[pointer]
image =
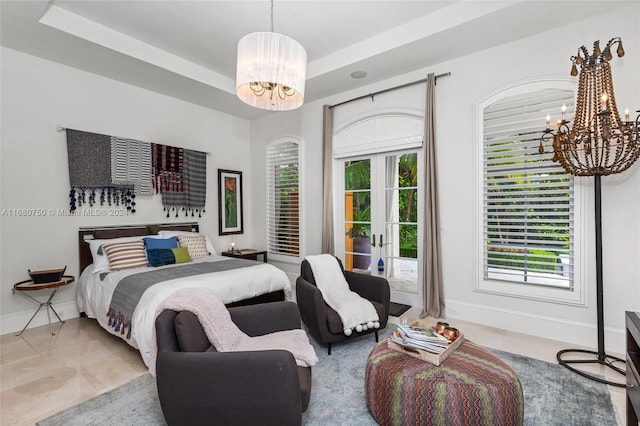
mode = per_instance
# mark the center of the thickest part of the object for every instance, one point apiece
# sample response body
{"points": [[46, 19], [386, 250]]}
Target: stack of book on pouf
{"points": [[431, 344]]}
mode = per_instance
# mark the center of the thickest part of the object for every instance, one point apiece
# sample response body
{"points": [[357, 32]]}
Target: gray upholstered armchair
{"points": [[323, 322], [199, 386]]}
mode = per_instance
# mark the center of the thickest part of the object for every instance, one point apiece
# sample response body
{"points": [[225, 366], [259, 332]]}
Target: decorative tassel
{"points": [[72, 200]]}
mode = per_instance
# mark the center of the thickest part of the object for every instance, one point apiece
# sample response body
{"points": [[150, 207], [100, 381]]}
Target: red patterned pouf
{"points": [[471, 387]]}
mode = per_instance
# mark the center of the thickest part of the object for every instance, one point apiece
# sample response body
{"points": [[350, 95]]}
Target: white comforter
{"points": [[94, 295]]}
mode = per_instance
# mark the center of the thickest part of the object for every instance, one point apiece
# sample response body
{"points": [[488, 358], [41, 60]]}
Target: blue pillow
{"points": [[161, 257], [160, 243]]}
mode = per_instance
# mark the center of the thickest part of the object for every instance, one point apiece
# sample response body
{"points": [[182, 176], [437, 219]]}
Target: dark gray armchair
{"points": [[199, 386], [323, 322]]}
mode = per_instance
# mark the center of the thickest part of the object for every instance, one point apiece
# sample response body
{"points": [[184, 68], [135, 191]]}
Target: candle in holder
{"points": [[626, 114], [604, 99], [548, 121], [564, 109]]}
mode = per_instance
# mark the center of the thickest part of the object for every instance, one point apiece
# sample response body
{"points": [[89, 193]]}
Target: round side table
{"points": [[24, 287]]}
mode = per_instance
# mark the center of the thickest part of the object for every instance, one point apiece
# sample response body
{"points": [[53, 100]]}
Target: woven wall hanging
{"points": [[113, 170]]}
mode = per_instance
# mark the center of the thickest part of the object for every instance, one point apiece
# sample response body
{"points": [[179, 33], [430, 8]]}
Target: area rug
{"points": [[397, 309], [552, 394]]}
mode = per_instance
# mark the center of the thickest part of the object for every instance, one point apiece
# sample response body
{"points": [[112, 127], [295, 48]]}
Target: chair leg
{"points": [[376, 337], [329, 349]]}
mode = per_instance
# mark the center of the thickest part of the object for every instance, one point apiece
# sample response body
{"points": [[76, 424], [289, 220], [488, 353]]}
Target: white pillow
{"points": [[101, 261], [169, 234]]}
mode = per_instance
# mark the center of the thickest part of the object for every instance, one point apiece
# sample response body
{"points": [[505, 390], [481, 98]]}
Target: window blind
{"points": [[528, 199], [283, 209]]}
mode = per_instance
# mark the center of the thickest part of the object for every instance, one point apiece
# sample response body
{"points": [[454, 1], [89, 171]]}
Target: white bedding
{"points": [[94, 295]]}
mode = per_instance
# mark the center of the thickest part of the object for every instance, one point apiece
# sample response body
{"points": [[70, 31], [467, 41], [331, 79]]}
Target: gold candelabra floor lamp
{"points": [[598, 144]]}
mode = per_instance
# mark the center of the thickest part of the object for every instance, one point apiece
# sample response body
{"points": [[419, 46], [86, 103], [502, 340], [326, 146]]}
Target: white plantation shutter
{"points": [[283, 207], [528, 199]]}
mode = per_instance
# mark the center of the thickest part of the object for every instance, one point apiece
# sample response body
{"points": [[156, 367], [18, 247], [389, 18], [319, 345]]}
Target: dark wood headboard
{"points": [[106, 232]]}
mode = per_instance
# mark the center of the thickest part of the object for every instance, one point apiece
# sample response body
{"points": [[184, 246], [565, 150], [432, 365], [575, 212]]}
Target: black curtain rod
{"points": [[371, 95]]}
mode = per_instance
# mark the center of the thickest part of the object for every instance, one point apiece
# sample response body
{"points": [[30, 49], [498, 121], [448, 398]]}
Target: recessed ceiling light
{"points": [[358, 74]]}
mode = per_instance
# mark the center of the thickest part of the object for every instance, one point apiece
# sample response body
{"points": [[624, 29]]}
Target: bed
{"points": [[253, 282]]}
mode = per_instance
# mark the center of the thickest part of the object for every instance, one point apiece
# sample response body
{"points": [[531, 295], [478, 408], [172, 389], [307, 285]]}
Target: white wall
{"points": [[473, 78], [39, 95], [303, 123]]}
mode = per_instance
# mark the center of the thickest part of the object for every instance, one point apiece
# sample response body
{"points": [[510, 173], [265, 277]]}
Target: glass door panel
{"points": [[380, 196], [401, 222], [357, 215]]}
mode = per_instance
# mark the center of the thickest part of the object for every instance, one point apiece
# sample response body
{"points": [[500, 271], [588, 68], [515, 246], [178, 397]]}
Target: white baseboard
{"points": [[570, 332], [14, 322]]}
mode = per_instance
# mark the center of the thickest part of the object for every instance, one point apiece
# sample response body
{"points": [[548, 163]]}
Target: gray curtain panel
{"points": [[433, 295], [327, 190]]}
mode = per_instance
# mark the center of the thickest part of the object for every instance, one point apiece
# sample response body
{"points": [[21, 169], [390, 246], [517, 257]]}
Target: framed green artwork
{"points": [[229, 202]]}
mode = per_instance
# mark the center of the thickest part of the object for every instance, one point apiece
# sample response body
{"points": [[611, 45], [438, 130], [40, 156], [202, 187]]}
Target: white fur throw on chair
{"points": [[355, 312]]}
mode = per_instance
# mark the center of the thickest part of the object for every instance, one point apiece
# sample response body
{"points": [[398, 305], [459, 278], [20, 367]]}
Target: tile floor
{"points": [[41, 374]]}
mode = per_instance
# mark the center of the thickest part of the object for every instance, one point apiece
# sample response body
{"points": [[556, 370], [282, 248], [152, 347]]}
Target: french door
{"points": [[378, 225]]}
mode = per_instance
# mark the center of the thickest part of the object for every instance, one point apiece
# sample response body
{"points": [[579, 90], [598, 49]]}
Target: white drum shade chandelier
{"points": [[271, 70]]}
